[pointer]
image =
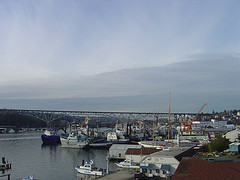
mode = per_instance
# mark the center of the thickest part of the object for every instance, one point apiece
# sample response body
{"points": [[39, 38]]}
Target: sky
{"points": [[120, 55]]}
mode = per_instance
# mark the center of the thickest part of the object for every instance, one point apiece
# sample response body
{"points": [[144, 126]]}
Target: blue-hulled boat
{"points": [[50, 137]]}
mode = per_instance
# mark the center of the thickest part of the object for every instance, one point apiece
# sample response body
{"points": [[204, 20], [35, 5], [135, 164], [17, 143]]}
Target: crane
{"points": [[187, 125], [85, 122]]}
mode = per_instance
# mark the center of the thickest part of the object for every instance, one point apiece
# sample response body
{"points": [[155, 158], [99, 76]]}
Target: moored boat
{"points": [[76, 141], [128, 163], [88, 169], [100, 143], [30, 178], [50, 137]]}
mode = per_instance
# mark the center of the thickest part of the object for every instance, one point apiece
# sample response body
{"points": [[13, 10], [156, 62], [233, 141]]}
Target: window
{"points": [[119, 155], [157, 170]]}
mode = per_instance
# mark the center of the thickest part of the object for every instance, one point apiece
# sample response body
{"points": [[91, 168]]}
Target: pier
{"points": [[121, 174], [5, 165]]}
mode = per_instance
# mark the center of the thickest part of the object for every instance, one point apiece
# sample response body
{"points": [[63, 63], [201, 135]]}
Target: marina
{"points": [[119, 90], [29, 156], [147, 148]]}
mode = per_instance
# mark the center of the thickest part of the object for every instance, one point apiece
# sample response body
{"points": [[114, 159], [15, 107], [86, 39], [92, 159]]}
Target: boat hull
{"points": [[73, 144], [89, 172], [127, 166], [50, 139]]}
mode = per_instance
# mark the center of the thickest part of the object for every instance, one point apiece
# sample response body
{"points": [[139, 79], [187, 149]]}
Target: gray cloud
{"points": [[191, 83]]}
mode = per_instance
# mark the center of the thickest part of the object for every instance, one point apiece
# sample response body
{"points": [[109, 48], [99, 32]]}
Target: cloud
{"points": [[190, 83], [92, 49], [46, 38]]}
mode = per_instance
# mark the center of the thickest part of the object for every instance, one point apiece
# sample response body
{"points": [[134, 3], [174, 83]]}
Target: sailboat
{"points": [[157, 144], [153, 143]]}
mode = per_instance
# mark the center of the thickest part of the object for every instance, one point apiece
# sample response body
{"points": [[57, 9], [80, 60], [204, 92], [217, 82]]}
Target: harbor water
{"points": [[29, 157]]}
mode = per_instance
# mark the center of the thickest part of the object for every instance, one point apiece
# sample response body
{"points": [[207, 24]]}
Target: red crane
{"points": [[187, 125]]}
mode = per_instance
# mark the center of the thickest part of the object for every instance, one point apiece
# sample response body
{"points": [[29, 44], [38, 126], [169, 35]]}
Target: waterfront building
{"points": [[137, 155], [194, 135], [164, 163], [117, 151], [158, 162]]}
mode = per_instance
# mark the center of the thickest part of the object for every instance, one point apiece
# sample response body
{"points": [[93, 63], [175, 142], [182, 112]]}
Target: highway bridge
{"points": [[52, 115]]}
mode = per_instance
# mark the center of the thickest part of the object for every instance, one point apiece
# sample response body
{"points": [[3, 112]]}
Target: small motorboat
{"points": [[127, 164], [88, 169], [29, 178]]}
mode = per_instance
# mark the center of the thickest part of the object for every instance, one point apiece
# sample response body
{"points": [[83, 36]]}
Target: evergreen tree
{"points": [[219, 144]]}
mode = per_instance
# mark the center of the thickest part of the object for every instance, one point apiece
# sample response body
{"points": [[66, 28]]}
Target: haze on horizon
{"points": [[120, 55]]}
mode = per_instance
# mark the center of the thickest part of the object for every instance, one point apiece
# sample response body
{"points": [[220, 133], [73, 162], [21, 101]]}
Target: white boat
{"points": [[30, 178], [11, 131], [153, 144], [88, 169], [128, 163], [74, 141]]}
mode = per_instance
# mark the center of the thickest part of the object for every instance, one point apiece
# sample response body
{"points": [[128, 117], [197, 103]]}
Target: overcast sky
{"points": [[120, 55]]}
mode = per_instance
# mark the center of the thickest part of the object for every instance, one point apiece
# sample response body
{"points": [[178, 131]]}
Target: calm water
{"points": [[28, 156]]}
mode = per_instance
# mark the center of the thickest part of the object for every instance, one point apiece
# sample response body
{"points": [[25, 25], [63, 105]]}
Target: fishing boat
{"points": [[50, 137], [73, 140], [118, 138], [88, 169], [128, 163], [99, 143]]}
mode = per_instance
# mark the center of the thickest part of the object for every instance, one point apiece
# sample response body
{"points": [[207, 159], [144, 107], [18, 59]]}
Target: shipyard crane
{"points": [[85, 122], [188, 125]]}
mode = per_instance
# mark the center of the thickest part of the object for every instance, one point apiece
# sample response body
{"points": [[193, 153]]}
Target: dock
{"points": [[5, 165], [121, 174]]}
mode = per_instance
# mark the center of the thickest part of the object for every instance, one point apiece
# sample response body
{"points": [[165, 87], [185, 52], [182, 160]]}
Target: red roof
{"points": [[196, 168], [143, 151]]}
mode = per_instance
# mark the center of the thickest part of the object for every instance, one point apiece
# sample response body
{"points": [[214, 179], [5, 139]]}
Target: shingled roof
{"points": [[143, 151], [196, 168]]}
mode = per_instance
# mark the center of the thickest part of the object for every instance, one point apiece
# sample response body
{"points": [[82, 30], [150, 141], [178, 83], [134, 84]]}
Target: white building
{"points": [[117, 151], [164, 163], [233, 135], [157, 162], [200, 125], [137, 155]]}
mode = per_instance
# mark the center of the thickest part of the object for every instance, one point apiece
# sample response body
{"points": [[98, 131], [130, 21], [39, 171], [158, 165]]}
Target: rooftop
{"points": [[124, 146], [196, 168], [143, 151], [172, 151]]}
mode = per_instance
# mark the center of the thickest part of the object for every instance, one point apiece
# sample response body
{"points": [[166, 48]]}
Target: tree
{"points": [[219, 144]]}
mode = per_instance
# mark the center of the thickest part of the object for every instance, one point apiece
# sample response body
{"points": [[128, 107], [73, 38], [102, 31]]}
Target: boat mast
{"points": [[169, 118], [153, 124]]}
